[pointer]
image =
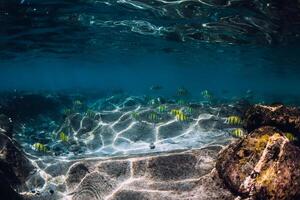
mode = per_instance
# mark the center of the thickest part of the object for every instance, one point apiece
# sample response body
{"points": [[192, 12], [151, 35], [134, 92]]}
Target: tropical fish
{"points": [[182, 91], [152, 146], [181, 117], [156, 87], [153, 117], [77, 102], [67, 112], [135, 115], [206, 94], [189, 110], [291, 137], [175, 111], [63, 137], [90, 113], [181, 102], [162, 108], [239, 133], [234, 120], [154, 102], [40, 147]]}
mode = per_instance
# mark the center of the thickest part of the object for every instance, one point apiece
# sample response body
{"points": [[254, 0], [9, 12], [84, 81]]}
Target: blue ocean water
{"points": [[226, 47]]}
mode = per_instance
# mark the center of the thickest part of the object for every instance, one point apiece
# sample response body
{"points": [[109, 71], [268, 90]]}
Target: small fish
{"points": [[63, 137], [153, 102], [291, 137], [206, 94], [152, 146], [77, 102], [181, 102], [67, 112], [40, 147], [175, 111], [181, 117], [162, 108], [182, 91], [135, 115], [239, 133], [90, 113], [189, 110], [234, 120], [156, 87], [153, 117]]}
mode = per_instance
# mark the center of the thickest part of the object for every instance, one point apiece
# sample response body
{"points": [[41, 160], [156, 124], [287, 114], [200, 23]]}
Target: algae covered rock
{"points": [[264, 165], [286, 119]]}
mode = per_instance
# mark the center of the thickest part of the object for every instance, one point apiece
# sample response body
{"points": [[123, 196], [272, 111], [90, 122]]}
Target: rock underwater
{"points": [[15, 168], [265, 164], [287, 119]]}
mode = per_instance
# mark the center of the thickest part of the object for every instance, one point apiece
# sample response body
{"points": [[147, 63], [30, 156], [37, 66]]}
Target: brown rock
{"points": [[287, 119], [264, 165]]}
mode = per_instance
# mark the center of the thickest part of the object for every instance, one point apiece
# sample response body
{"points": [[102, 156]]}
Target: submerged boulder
{"points": [[264, 165], [14, 166], [287, 119]]}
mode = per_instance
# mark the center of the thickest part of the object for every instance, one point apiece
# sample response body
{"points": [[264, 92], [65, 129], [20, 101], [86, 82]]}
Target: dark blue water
{"points": [[227, 47]]}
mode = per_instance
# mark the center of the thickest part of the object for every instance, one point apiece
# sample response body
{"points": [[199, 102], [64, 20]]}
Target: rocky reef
{"points": [[263, 164]]}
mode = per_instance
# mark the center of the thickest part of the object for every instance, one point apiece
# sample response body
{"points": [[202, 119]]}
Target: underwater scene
{"points": [[150, 99]]}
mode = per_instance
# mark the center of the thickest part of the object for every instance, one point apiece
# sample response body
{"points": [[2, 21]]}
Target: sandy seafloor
{"points": [[118, 127]]}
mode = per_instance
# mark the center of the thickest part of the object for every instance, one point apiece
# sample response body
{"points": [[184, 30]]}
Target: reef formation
{"points": [[264, 164]]}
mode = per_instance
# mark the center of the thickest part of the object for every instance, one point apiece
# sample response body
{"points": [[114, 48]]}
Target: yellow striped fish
{"points": [[153, 117], [181, 117], [135, 115], [206, 94], [182, 91], [67, 112], [162, 108], [181, 102], [189, 110], [90, 113], [63, 137], [234, 120], [239, 133], [175, 111], [77, 102], [40, 147], [291, 137]]}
